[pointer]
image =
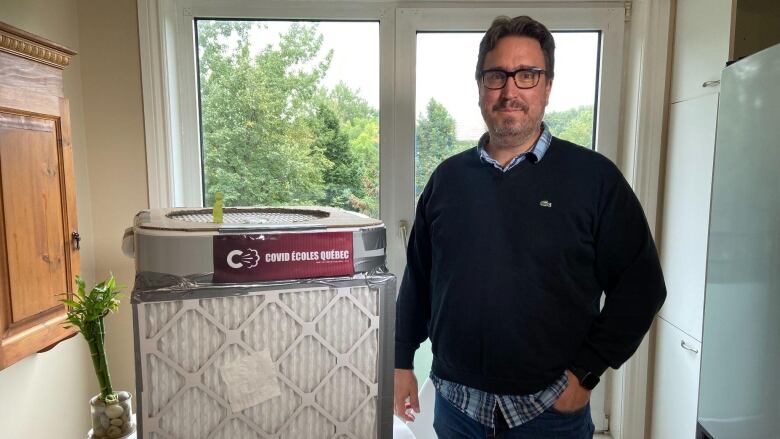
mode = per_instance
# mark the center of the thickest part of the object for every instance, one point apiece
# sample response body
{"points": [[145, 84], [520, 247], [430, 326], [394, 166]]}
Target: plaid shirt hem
{"points": [[517, 409]]}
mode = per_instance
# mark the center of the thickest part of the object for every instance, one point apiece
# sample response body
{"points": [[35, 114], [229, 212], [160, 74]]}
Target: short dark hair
{"points": [[523, 26]]}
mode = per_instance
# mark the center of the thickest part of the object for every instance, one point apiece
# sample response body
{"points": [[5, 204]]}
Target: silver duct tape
{"points": [[156, 287]]}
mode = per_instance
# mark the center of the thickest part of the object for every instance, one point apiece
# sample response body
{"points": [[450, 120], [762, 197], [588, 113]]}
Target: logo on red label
{"points": [[246, 258]]}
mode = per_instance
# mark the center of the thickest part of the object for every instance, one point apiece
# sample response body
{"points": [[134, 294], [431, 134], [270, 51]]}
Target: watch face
{"points": [[589, 381]]}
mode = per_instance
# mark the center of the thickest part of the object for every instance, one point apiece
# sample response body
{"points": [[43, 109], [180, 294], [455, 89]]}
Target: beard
{"points": [[513, 127]]}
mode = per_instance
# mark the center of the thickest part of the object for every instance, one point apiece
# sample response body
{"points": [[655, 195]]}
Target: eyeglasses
{"points": [[526, 77]]}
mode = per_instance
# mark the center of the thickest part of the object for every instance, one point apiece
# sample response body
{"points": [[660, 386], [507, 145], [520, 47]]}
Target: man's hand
{"points": [[574, 397], [405, 394]]}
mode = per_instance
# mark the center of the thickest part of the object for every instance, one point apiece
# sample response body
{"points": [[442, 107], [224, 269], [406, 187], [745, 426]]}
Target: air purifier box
{"points": [[305, 288]]}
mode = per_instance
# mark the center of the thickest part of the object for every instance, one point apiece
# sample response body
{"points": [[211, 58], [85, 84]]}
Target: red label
{"points": [[276, 256]]}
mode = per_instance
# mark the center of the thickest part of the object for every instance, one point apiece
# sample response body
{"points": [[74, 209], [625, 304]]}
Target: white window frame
{"points": [[168, 68]]}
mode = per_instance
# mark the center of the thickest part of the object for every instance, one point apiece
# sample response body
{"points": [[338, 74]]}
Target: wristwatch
{"points": [[588, 380]]}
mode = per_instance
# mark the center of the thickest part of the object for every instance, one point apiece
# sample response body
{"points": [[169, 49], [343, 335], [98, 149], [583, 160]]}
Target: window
{"points": [[289, 113]]}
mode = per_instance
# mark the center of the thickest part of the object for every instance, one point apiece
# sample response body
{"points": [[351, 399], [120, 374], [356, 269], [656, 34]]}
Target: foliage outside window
{"points": [[273, 134]]}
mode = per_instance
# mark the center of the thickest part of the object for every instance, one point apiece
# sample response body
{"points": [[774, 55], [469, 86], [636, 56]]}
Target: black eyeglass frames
{"points": [[527, 77]]}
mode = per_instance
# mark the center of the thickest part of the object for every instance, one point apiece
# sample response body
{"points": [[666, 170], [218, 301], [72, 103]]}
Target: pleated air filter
{"points": [[329, 339]]}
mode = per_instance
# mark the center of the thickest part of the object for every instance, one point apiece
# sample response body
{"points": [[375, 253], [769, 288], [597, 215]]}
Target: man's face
{"points": [[513, 115]]}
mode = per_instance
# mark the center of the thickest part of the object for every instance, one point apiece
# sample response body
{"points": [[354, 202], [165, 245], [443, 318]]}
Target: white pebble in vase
{"points": [[114, 411]]}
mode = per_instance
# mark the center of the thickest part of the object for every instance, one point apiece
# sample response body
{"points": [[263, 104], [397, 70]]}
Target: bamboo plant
{"points": [[86, 312]]}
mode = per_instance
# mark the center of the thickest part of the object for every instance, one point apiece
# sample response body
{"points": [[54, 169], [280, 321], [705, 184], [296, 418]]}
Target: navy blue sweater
{"points": [[505, 271]]}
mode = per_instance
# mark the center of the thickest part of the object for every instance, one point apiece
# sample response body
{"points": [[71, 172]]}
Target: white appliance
{"points": [[208, 295], [741, 332]]}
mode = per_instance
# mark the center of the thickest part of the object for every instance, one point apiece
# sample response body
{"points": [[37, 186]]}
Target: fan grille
{"points": [[257, 216]]}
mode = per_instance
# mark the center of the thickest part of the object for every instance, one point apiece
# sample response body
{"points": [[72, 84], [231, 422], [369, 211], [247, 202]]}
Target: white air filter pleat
{"points": [[230, 312], [194, 415], [272, 414], [309, 424], [271, 329], [343, 325], [235, 429], [158, 314], [363, 424], [299, 367], [366, 297], [193, 330], [363, 358], [308, 304], [165, 381], [342, 394]]}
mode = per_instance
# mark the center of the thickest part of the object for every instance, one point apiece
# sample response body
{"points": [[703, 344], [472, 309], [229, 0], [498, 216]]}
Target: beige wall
{"points": [[46, 395], [113, 116], [38, 394]]}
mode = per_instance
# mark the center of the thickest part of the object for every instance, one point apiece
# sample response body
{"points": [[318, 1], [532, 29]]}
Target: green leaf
{"points": [[70, 303]]}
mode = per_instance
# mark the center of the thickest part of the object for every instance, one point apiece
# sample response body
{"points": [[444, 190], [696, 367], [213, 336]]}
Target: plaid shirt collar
{"points": [[537, 151]]}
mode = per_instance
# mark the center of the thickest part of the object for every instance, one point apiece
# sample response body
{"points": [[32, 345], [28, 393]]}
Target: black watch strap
{"points": [[587, 379]]}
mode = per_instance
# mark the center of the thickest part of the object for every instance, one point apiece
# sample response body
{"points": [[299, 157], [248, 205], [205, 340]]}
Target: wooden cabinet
{"points": [[685, 222], [677, 367], [38, 248]]}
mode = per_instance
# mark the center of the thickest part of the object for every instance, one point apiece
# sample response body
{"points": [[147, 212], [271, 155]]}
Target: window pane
{"points": [[448, 117], [289, 113]]}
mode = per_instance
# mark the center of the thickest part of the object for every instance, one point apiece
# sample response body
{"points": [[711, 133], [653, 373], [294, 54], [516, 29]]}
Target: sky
{"points": [[445, 64]]}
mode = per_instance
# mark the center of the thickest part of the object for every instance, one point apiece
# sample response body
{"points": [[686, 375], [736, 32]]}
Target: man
{"points": [[513, 243]]}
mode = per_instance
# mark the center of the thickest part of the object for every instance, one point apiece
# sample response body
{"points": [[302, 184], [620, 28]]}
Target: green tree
{"points": [[360, 122], [342, 177], [258, 145], [434, 141], [574, 125]]}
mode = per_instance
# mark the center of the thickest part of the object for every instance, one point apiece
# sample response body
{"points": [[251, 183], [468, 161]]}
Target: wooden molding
{"points": [[18, 42]]}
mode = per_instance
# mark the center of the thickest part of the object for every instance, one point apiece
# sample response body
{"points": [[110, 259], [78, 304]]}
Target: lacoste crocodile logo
{"points": [[545, 203]]}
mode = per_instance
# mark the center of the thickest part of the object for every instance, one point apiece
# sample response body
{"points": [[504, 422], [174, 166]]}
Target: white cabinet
{"points": [[676, 383], [686, 204], [701, 46], [707, 33]]}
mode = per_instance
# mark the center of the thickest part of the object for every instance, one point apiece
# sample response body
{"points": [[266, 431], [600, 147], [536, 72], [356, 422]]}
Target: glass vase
{"points": [[112, 421]]}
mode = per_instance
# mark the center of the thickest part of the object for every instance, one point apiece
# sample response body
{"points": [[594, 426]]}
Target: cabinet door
{"points": [[37, 216], [676, 383], [701, 46], [686, 210]]}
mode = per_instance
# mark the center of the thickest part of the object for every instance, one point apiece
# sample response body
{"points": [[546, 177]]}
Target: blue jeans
{"points": [[451, 423]]}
